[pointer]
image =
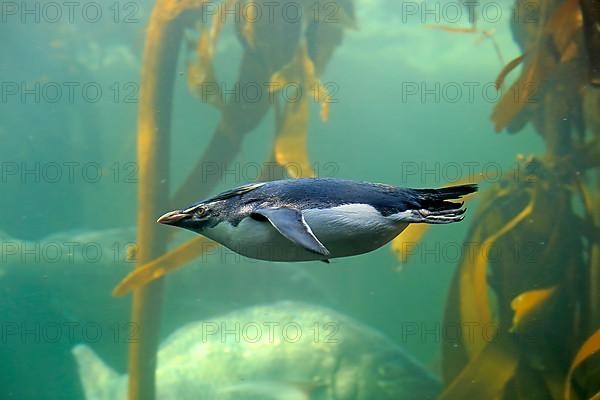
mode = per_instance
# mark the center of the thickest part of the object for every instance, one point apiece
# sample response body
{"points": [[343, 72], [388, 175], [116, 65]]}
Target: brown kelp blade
{"points": [[591, 20], [590, 347], [473, 281], [527, 303], [487, 373], [561, 29], [468, 300], [290, 148], [519, 95], [164, 264], [564, 24]]}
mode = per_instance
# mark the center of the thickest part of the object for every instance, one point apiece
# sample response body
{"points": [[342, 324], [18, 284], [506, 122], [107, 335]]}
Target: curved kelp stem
{"points": [[161, 266], [154, 117]]}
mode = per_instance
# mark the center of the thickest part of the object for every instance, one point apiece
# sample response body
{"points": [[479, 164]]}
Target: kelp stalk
{"points": [[154, 118]]}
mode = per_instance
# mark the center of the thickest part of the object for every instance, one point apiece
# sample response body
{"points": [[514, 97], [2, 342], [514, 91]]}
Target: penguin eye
{"points": [[200, 211]]}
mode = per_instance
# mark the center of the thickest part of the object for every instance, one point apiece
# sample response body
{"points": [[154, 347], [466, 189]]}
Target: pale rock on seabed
{"points": [[282, 351]]}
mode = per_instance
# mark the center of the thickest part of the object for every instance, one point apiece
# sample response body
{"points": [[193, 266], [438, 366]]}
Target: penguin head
{"points": [[230, 206], [195, 218]]}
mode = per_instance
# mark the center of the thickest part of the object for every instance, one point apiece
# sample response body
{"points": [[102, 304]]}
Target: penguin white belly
{"points": [[345, 230], [259, 240], [352, 229]]}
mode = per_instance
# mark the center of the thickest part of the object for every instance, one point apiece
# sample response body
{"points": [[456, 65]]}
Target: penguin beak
{"points": [[172, 217]]}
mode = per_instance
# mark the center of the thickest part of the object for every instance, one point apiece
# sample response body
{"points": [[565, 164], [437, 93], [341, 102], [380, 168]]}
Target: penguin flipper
{"points": [[291, 224]]}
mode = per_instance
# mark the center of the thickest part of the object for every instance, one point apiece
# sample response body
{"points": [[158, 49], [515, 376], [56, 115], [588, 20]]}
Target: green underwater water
{"points": [[375, 133]]}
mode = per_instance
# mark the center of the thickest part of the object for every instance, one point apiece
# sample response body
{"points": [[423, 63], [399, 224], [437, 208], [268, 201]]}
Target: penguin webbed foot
{"points": [[442, 216]]}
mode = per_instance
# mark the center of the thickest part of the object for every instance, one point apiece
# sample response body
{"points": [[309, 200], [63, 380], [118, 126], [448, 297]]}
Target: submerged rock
{"points": [[287, 350]]}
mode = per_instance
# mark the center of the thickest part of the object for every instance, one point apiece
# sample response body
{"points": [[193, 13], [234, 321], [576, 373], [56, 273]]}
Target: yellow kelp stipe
{"points": [[314, 86], [474, 302], [291, 141], [507, 69], [291, 147], [164, 264]]}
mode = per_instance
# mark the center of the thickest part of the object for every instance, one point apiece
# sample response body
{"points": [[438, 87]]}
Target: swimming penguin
{"points": [[315, 218]]}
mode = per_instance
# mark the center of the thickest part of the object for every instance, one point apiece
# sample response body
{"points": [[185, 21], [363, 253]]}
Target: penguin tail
{"points": [[434, 206]]}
